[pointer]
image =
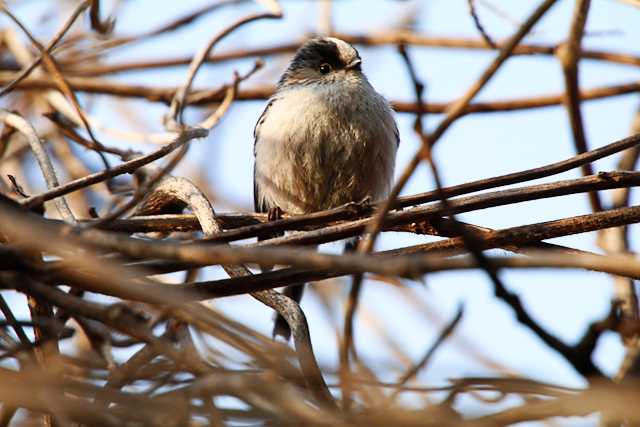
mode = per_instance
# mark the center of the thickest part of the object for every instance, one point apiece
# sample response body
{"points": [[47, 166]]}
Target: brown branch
{"points": [[173, 118], [476, 21], [42, 157], [67, 129], [206, 97], [254, 225], [444, 334], [201, 254], [602, 181], [444, 229], [179, 189], [581, 361], [172, 26], [615, 403], [146, 186], [117, 316], [453, 113], [52, 44], [12, 321], [58, 78], [102, 27], [126, 167], [409, 38], [432, 212], [525, 236], [568, 55], [95, 70], [456, 109], [30, 229], [386, 38], [616, 240]]}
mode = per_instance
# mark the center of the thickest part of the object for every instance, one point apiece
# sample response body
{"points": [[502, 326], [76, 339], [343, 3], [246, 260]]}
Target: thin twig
{"points": [[102, 27], [444, 334], [206, 97], [52, 44], [173, 118], [476, 21], [126, 167], [42, 157], [568, 55]]}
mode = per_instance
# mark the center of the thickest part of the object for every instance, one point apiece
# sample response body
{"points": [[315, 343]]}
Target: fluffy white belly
{"points": [[318, 149]]}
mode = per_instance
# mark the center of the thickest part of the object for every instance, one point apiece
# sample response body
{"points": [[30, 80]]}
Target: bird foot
{"points": [[274, 214]]}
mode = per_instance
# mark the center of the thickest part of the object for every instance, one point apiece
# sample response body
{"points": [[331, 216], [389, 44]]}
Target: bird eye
{"points": [[325, 68]]}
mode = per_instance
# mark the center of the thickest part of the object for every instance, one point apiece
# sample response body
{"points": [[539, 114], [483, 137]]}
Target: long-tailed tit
{"points": [[325, 138]]}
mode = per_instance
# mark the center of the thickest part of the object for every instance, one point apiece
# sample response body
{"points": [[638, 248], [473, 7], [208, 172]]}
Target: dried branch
{"points": [[454, 112], [42, 157], [479, 26], [568, 55], [255, 225], [58, 78], [173, 119], [102, 27], [172, 189], [205, 97], [126, 167], [52, 44], [524, 237], [411, 373], [394, 38]]}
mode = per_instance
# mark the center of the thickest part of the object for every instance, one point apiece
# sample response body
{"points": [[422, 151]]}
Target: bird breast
{"points": [[321, 146]]}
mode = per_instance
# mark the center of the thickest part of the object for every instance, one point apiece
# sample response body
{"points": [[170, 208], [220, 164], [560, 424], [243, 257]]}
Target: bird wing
{"points": [[396, 132], [257, 205]]}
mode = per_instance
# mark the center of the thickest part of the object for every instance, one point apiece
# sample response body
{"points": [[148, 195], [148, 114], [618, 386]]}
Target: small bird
{"points": [[325, 138]]}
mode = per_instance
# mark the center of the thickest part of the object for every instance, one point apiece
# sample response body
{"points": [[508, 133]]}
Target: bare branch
{"points": [[42, 157]]}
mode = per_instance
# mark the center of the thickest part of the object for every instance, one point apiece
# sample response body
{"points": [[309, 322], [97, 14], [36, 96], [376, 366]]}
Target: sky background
{"points": [[476, 146]]}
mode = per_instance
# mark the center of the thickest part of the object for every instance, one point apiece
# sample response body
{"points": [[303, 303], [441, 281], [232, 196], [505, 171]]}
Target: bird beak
{"points": [[354, 65]]}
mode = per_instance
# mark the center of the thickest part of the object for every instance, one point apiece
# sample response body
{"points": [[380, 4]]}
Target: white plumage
{"points": [[326, 138], [319, 146]]}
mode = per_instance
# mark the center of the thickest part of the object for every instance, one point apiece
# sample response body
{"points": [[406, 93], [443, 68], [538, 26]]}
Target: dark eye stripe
{"points": [[312, 56], [315, 53]]}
